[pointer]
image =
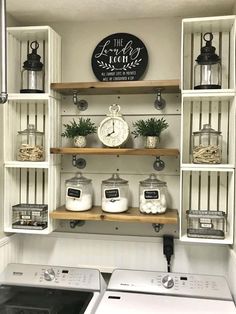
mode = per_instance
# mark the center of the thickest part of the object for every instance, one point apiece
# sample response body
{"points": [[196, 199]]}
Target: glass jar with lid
{"points": [[115, 194], [152, 195], [30, 144], [207, 146], [78, 193]]}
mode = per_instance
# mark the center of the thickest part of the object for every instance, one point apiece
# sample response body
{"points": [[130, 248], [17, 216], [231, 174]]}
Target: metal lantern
{"points": [[32, 75], [207, 71]]}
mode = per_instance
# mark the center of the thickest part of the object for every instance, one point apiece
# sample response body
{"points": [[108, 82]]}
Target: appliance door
{"points": [[30, 300], [138, 303]]}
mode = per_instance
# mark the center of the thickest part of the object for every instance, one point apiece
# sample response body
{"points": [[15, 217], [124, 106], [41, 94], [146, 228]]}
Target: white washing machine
{"points": [[146, 292], [31, 289]]}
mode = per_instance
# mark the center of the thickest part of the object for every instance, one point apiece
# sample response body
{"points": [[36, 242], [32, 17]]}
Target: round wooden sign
{"points": [[120, 57]]}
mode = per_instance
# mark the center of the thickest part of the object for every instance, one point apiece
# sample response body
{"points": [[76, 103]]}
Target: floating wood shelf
{"points": [[109, 88], [115, 151], [132, 215]]}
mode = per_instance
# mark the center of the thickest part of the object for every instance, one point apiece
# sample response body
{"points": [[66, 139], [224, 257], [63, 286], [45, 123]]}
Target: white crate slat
{"points": [[204, 191], [225, 46], [213, 194]]}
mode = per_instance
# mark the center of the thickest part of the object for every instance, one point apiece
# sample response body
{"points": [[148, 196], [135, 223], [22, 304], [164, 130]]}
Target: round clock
{"points": [[113, 131]]}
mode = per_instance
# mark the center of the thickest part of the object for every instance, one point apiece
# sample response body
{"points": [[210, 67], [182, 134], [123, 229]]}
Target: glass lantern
{"points": [[207, 146], [30, 144], [207, 70], [32, 75]]}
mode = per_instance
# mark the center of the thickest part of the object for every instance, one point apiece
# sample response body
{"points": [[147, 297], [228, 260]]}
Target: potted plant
{"points": [[79, 130], [150, 129]]}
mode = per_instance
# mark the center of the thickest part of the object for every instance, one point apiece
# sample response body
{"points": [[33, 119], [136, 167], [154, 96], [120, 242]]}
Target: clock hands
{"points": [[113, 129]]}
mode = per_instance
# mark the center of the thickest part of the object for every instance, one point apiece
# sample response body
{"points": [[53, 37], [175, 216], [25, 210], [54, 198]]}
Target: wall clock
{"points": [[113, 131]]}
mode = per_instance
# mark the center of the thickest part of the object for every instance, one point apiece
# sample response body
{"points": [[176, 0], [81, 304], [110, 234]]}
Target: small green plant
{"points": [[82, 128], [149, 127]]}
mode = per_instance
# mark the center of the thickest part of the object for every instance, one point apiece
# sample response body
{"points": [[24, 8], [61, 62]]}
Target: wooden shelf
{"points": [[109, 88], [132, 215], [115, 151]]}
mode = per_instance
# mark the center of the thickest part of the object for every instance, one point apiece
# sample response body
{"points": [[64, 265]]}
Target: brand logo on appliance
{"points": [[119, 57]]}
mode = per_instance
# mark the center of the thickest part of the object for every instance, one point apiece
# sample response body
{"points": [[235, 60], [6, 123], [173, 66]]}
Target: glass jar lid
{"points": [[153, 181], [78, 179], [115, 180], [207, 130], [31, 130]]}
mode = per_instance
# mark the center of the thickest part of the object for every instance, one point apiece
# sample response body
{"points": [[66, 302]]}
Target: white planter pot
{"points": [[151, 141], [80, 141]]}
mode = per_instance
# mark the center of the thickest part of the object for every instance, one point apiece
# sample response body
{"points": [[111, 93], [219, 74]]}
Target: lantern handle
{"points": [[210, 37], [34, 43]]}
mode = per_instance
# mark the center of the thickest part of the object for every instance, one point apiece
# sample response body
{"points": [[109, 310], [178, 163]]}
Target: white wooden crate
{"points": [[218, 110], [223, 29], [18, 41], [207, 190]]}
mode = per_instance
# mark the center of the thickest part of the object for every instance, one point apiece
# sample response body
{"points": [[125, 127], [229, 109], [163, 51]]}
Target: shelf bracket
{"points": [[81, 104], [78, 162], [159, 103], [158, 164], [75, 223], [157, 227]]}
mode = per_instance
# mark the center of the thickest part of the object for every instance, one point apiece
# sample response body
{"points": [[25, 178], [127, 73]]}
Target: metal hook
{"points": [[157, 227], [78, 162], [74, 223], [159, 103], [81, 104], [158, 164]]}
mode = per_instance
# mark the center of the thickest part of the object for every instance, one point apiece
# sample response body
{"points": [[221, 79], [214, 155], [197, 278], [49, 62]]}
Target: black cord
{"points": [[168, 249]]}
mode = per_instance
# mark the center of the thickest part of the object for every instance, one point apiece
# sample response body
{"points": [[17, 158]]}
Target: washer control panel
{"points": [[201, 286], [51, 276]]}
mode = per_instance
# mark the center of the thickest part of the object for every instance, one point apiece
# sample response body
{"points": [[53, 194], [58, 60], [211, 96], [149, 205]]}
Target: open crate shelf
{"points": [[208, 190], [223, 29], [218, 111]]}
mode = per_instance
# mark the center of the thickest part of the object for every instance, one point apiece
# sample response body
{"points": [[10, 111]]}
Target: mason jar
{"points": [[152, 195], [115, 194], [79, 193], [30, 145], [207, 146]]}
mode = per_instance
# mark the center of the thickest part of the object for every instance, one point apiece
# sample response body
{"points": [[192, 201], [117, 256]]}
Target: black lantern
{"points": [[32, 75], [207, 71]]}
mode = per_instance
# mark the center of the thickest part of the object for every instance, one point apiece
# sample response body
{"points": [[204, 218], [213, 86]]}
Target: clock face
{"points": [[113, 131]]}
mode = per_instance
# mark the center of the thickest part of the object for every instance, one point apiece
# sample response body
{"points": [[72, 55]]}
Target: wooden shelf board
{"points": [[132, 215], [109, 88], [115, 151]]}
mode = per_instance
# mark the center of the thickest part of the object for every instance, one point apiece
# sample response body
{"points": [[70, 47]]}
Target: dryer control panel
{"points": [[201, 286]]}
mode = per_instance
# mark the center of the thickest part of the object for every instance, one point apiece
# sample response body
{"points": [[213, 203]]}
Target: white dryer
{"points": [[146, 292], [43, 289]]}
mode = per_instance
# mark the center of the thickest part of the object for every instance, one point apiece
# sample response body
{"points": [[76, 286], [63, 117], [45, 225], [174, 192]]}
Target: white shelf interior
{"points": [[223, 29], [19, 40], [219, 112], [208, 190]]}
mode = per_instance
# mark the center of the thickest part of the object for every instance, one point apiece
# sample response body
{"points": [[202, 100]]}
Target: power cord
{"points": [[168, 249]]}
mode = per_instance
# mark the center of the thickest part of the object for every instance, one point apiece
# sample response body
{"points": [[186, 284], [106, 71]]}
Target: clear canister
{"points": [[79, 193], [115, 194], [152, 195], [207, 146], [30, 144]]}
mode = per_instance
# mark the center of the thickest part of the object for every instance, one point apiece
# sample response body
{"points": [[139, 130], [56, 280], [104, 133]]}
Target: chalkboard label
{"points": [[120, 57], [151, 194], [75, 193], [112, 193]]}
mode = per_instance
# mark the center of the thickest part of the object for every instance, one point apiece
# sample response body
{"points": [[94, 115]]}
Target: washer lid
{"points": [[133, 303]]}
